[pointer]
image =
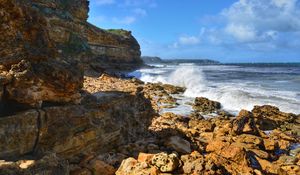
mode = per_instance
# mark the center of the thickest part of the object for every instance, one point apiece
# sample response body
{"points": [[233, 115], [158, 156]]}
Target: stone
{"points": [[205, 105], [245, 123], [267, 166], [269, 117], [131, 166], [18, 134], [179, 144], [144, 157], [99, 167], [193, 163], [166, 163], [48, 165]]}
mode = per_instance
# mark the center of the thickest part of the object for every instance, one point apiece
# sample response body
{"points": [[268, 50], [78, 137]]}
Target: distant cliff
{"points": [[158, 60], [151, 60]]}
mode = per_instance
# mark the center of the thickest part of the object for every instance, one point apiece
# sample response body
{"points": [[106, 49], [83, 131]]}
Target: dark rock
{"points": [[205, 105]]}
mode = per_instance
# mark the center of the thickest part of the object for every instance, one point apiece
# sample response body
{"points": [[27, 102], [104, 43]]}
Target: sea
{"points": [[235, 86]]}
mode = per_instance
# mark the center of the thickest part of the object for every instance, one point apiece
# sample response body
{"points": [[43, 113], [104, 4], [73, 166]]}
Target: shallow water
{"points": [[238, 86]]}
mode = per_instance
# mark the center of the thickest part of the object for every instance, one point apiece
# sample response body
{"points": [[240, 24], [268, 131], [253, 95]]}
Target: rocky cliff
{"points": [[59, 29], [45, 45]]}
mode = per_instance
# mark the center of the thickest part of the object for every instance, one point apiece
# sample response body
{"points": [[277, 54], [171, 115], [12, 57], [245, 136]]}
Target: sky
{"points": [[223, 30]]}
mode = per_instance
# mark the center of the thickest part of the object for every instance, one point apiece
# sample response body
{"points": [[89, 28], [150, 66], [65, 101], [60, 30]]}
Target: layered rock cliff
{"points": [[45, 46]]}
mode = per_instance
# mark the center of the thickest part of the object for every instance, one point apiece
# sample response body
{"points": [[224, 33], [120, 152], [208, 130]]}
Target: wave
{"points": [[233, 96]]}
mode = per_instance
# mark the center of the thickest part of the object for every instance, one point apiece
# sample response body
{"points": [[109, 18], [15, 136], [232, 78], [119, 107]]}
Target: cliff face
{"points": [[76, 39], [44, 45]]}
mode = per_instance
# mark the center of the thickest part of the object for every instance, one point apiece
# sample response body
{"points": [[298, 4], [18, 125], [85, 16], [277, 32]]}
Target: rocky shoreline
{"points": [[60, 114], [261, 141]]}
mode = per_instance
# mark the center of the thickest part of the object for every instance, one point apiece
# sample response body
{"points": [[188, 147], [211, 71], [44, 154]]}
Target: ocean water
{"points": [[235, 86]]}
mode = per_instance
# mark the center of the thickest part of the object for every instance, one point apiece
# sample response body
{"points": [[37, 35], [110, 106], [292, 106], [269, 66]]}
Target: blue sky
{"points": [[224, 30]]}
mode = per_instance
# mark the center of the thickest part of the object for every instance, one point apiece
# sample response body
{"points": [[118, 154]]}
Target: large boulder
{"points": [[270, 117], [69, 130], [204, 105]]}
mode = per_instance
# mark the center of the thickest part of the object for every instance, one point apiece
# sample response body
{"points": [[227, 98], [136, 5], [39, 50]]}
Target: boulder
{"points": [[179, 144], [193, 163], [245, 123], [204, 105], [48, 165], [270, 117], [165, 162]]}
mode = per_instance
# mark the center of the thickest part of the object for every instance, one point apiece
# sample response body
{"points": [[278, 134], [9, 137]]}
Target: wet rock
{"points": [[179, 144], [205, 105]]}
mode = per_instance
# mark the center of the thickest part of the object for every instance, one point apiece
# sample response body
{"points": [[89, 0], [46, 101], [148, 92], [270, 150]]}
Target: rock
{"points": [[70, 130], [234, 159], [245, 123], [28, 55], [205, 105], [267, 166], [290, 169], [179, 144], [131, 166], [50, 81], [269, 117], [18, 134], [99, 168], [193, 163], [47, 165], [270, 145], [165, 163], [143, 157]]}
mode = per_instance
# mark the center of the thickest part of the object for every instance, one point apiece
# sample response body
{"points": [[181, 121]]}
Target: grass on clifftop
{"points": [[119, 32]]}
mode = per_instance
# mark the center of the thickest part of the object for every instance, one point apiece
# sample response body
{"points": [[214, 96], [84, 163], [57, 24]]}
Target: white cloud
{"points": [[242, 33], [257, 25], [140, 12], [185, 41], [126, 20], [252, 19], [188, 40], [105, 2], [138, 3]]}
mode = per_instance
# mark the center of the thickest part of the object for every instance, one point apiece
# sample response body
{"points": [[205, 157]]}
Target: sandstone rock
{"points": [[179, 144], [290, 169], [269, 117], [47, 165], [267, 166], [193, 163], [99, 168], [18, 134], [165, 163], [143, 157], [70, 130], [234, 159], [245, 123], [131, 166], [205, 105]]}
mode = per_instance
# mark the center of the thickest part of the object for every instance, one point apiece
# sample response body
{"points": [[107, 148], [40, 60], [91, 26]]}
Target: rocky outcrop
{"points": [[76, 39], [204, 105], [97, 126], [46, 45]]}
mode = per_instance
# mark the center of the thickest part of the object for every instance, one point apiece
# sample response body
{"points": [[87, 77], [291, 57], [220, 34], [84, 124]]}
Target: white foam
{"points": [[233, 95]]}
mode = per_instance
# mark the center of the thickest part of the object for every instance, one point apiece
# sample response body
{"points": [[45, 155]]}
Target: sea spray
{"points": [[235, 87]]}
